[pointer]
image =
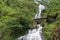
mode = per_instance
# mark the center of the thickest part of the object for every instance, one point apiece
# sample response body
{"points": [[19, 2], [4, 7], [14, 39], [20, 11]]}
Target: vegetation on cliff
{"points": [[16, 15]]}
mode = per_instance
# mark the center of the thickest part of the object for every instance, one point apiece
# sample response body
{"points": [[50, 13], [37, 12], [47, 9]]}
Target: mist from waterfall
{"points": [[35, 34]]}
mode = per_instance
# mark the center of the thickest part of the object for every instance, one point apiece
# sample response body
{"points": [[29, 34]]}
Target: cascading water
{"points": [[41, 8], [35, 34]]}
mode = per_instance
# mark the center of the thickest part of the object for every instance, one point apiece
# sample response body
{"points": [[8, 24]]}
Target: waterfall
{"points": [[40, 9], [35, 34]]}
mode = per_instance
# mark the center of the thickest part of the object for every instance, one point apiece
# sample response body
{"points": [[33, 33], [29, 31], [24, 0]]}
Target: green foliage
{"points": [[52, 9], [15, 17], [49, 31]]}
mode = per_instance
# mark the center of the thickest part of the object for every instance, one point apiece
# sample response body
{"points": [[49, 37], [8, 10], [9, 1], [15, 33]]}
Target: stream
{"points": [[35, 34]]}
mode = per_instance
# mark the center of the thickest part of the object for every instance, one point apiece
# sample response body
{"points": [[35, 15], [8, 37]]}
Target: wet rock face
{"points": [[38, 21], [33, 26], [51, 18]]}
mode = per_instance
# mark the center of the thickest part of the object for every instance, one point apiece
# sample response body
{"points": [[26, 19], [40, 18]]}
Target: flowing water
{"points": [[35, 34]]}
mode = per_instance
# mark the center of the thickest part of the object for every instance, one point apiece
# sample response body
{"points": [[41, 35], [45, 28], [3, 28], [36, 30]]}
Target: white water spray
{"points": [[35, 34], [40, 9]]}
